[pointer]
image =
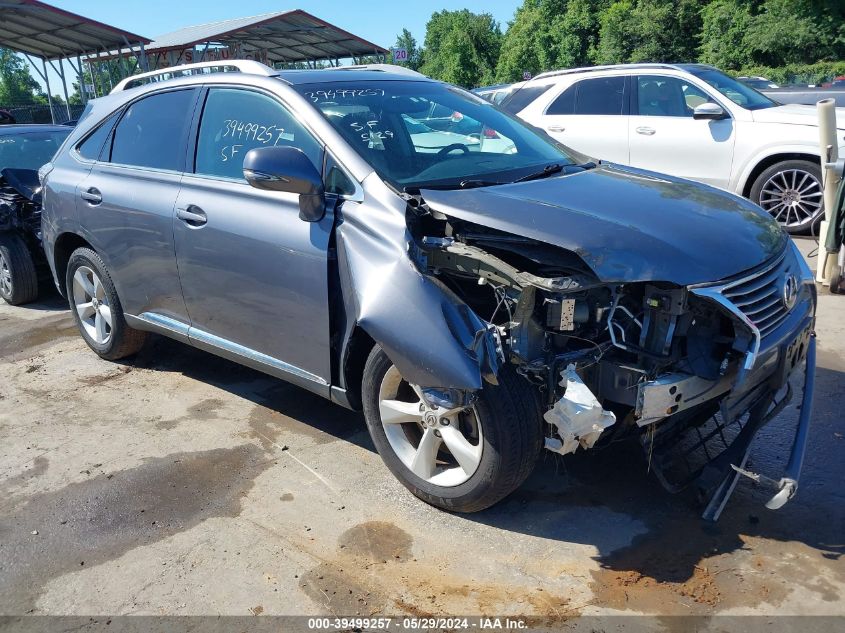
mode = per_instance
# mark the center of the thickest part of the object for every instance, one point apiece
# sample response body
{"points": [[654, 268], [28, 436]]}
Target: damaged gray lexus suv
{"points": [[401, 246]]}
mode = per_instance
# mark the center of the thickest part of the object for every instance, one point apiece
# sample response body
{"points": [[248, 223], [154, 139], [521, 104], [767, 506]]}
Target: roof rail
{"points": [[384, 68], [588, 69], [185, 70]]}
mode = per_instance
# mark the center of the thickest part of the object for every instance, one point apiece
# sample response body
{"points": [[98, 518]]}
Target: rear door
{"points": [[126, 202], [591, 116], [254, 275], [666, 138]]}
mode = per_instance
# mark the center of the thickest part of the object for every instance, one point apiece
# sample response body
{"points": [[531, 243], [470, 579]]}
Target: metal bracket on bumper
{"points": [[786, 486]]}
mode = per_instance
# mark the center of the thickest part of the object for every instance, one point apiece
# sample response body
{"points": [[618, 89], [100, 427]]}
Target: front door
{"points": [[664, 137], [254, 276]]}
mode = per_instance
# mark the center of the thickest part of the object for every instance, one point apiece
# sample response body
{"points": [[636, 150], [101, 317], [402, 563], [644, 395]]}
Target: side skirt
{"points": [[175, 329]]}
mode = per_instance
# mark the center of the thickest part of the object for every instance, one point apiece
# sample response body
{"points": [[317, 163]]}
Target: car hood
{"points": [[795, 114], [626, 224]]}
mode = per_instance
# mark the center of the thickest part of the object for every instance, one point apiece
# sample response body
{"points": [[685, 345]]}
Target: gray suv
{"points": [[401, 246]]}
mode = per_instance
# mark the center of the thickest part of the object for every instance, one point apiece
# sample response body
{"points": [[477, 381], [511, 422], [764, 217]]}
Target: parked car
{"points": [[477, 305], [494, 94], [7, 118], [23, 149], [687, 120], [758, 83]]}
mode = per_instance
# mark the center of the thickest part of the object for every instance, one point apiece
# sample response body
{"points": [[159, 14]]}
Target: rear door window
{"points": [[234, 121], [602, 96], [565, 103], [153, 131]]}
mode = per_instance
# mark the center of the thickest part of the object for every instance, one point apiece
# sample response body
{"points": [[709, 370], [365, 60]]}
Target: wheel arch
{"points": [[63, 248], [357, 348], [772, 159]]}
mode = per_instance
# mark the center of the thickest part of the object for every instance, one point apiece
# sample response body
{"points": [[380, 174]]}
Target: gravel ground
{"points": [[179, 483]]}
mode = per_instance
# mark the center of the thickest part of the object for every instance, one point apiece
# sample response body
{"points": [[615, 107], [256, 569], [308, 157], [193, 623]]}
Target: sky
{"points": [[378, 21]]}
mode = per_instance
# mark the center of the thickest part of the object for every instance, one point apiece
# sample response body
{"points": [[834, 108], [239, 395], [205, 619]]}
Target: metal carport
{"points": [[39, 30], [281, 37]]}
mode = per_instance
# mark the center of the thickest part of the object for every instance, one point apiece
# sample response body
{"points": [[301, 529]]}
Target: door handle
{"points": [[192, 215], [556, 128], [648, 131], [92, 196]]}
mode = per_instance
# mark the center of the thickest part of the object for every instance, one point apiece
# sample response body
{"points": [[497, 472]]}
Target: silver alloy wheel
{"points": [[92, 305], [440, 446], [5, 276], [792, 196]]}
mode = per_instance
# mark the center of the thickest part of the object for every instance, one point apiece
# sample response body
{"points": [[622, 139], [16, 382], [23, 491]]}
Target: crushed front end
{"points": [[692, 372]]}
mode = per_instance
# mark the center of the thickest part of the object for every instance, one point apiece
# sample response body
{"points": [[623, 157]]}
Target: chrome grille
{"points": [[760, 296]]}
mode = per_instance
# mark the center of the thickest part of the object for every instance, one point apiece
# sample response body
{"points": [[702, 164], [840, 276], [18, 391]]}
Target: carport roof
{"points": [[287, 36], [39, 29]]}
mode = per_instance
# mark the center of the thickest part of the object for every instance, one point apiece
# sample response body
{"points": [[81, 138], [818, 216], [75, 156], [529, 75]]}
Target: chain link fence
{"points": [[41, 113]]}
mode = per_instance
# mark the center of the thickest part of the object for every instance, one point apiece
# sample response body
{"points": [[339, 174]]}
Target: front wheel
{"points": [[792, 193], [463, 460]]}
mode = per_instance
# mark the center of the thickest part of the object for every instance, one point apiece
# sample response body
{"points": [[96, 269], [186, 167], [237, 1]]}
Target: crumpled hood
{"points": [[795, 114], [627, 224]]}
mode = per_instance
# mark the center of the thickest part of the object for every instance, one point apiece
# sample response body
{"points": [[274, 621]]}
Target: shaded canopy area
{"points": [[41, 31], [278, 37], [44, 31]]}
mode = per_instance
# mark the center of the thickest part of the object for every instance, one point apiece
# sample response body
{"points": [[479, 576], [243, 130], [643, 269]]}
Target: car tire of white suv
{"points": [[498, 437], [791, 191]]}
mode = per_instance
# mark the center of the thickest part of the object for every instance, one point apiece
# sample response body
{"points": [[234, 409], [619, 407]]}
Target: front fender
{"points": [[433, 338]]}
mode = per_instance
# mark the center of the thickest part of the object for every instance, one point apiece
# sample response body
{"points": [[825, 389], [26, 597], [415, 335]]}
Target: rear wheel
{"points": [[463, 460], [792, 193], [18, 278], [96, 307]]}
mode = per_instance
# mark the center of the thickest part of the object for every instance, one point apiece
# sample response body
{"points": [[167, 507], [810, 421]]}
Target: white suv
{"points": [[687, 120]]}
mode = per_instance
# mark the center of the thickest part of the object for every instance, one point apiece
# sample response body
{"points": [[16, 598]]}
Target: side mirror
{"points": [[708, 111], [287, 169]]}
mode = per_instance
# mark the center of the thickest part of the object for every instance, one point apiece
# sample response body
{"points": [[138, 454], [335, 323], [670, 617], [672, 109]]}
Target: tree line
{"points": [[802, 40]]}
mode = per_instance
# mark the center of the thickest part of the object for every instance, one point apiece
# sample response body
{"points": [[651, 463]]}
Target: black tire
{"points": [[813, 169], [512, 426], [123, 341], [21, 284]]}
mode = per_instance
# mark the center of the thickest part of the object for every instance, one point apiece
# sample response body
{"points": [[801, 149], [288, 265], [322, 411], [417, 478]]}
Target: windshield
{"points": [[734, 90], [425, 134], [29, 150]]}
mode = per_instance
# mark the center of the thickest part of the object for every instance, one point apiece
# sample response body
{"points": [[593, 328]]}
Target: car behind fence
{"points": [[41, 113]]}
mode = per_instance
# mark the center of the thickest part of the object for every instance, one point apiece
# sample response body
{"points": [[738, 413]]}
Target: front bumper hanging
{"points": [[786, 487]]}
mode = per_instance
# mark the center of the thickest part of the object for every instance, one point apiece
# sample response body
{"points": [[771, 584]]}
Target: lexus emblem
{"points": [[790, 291]]}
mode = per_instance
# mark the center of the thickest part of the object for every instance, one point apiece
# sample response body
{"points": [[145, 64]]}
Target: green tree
{"points": [[649, 31], [788, 31], [724, 24], [549, 34], [462, 47], [523, 48], [17, 86], [578, 32], [408, 42]]}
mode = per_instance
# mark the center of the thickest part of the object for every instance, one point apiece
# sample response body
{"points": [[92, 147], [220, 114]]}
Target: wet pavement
{"points": [[180, 483]]}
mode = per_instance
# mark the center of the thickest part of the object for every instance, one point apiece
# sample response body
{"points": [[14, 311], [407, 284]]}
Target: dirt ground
{"points": [[180, 483]]}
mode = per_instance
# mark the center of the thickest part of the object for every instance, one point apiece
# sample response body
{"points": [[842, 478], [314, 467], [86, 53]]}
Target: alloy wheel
{"points": [[5, 276], [792, 197], [92, 305], [441, 446]]}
